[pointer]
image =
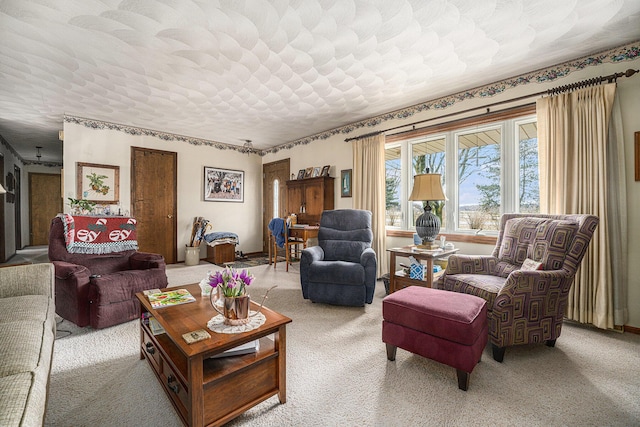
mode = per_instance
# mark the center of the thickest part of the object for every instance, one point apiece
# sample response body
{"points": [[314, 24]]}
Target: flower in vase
{"points": [[231, 282]]}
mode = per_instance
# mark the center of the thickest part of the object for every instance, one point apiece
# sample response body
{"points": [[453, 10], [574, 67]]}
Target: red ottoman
{"points": [[447, 327]]}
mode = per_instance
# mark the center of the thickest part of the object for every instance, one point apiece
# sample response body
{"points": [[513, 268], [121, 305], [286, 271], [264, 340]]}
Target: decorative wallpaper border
{"points": [[166, 136], [626, 52]]}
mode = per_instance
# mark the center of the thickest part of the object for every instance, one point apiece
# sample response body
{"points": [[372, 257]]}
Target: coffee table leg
{"points": [[196, 414], [281, 348]]}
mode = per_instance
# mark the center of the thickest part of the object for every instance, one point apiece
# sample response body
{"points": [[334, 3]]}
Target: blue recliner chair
{"points": [[342, 269]]}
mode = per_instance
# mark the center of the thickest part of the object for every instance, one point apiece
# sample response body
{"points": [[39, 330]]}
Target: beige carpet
{"points": [[338, 374]]}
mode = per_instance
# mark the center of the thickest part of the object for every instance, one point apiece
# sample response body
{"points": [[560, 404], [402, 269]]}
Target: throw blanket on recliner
{"points": [[99, 235]]}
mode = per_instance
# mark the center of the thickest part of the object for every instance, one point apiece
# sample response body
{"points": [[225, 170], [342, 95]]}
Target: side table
{"points": [[397, 278]]}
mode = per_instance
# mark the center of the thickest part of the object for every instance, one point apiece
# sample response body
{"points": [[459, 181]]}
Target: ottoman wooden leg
{"points": [[391, 352], [463, 380]]}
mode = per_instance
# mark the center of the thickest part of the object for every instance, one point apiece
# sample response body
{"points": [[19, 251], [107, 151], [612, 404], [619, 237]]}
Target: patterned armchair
{"points": [[526, 303]]}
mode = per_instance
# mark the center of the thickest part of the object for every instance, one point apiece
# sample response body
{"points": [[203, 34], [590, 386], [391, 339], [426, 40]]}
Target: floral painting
{"points": [[98, 183]]}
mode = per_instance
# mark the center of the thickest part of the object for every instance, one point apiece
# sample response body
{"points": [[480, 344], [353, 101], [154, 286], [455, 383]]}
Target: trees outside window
{"points": [[486, 171]]}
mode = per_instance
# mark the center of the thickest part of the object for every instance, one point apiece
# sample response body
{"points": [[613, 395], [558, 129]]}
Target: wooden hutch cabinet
{"points": [[307, 198]]}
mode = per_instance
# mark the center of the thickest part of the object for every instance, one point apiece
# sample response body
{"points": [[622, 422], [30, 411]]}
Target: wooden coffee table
{"points": [[208, 391]]}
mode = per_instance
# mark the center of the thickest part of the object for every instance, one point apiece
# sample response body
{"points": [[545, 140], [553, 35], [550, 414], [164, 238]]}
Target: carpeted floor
{"points": [[338, 374]]}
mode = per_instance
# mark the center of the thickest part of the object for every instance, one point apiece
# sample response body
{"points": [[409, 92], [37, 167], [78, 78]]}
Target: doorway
{"points": [[274, 195], [18, 206], [3, 240], [154, 176], [45, 202]]}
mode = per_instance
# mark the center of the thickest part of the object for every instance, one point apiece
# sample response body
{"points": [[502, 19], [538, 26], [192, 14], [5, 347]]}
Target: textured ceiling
{"points": [[271, 71]]}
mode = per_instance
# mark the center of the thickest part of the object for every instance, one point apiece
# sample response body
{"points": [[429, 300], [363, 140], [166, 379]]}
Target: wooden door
{"points": [[17, 206], [45, 202], [275, 173], [154, 200], [3, 239]]}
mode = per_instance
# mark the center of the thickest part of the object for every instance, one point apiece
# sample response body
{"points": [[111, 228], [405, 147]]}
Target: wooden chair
{"points": [[289, 244]]}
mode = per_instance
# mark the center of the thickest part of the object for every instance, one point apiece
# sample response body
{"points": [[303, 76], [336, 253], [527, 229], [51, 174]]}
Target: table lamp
{"points": [[427, 187]]}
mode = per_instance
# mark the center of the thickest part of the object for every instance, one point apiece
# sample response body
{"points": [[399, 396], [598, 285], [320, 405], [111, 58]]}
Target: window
{"points": [[276, 198], [427, 156], [487, 168]]}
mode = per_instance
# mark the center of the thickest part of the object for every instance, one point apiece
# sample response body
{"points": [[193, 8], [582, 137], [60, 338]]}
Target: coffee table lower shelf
{"points": [[229, 385]]}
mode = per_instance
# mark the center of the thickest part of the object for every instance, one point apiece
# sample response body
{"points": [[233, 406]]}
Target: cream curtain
{"points": [[368, 190], [581, 158]]}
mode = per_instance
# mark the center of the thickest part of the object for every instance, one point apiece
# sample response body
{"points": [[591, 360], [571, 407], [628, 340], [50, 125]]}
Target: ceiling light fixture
{"points": [[38, 155], [247, 147]]}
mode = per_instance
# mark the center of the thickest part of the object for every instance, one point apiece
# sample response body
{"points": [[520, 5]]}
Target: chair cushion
{"points": [[551, 243], [543, 240], [123, 285], [514, 249], [337, 272], [449, 315], [481, 285]]}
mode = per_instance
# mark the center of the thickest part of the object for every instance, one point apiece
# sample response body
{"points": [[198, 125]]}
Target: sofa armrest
{"points": [[308, 256], [65, 270], [471, 264], [311, 254], [543, 282], [370, 263], [32, 279], [146, 260]]}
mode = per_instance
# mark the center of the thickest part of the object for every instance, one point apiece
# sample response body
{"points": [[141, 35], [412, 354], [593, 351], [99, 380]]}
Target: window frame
{"points": [[509, 122]]}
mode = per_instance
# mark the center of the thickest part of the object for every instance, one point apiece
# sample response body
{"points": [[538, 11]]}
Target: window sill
{"points": [[466, 238]]}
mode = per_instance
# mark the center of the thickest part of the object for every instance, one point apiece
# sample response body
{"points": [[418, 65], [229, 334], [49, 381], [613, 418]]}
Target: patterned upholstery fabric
{"points": [[524, 306], [27, 334]]}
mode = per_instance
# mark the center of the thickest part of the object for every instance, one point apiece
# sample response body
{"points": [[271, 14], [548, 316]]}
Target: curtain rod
{"points": [[554, 91]]}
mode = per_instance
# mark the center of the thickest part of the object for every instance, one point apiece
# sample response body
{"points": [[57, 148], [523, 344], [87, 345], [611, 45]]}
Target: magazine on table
{"points": [[250, 347], [169, 298]]}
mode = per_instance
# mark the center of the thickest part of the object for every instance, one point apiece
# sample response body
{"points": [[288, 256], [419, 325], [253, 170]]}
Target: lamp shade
{"points": [[427, 186], [2, 190]]}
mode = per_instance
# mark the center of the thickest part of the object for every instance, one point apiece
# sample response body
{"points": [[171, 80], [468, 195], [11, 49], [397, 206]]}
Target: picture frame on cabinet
{"points": [[316, 172], [345, 182], [308, 172], [223, 185], [325, 171], [301, 174]]}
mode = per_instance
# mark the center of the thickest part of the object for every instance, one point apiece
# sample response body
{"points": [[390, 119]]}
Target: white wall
{"points": [[113, 147]]}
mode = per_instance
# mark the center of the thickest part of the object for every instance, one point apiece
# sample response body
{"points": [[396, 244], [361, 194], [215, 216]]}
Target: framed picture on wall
{"points": [[223, 185], [345, 182], [98, 183]]}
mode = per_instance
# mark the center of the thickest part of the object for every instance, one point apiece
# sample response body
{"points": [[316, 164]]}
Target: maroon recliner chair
{"points": [[99, 290]]}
